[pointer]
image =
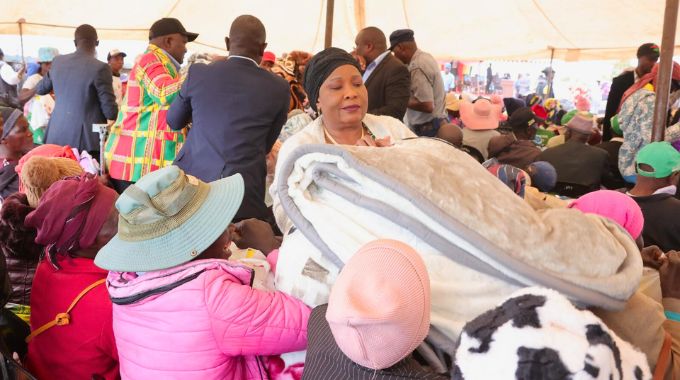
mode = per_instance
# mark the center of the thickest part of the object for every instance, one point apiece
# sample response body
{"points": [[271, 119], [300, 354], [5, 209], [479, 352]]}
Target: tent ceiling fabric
{"points": [[462, 29]]}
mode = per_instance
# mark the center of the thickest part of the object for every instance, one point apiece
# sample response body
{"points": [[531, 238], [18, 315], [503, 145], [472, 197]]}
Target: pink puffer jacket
{"points": [[201, 320]]}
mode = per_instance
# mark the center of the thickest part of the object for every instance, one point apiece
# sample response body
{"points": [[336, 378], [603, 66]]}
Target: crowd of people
{"points": [[163, 261]]}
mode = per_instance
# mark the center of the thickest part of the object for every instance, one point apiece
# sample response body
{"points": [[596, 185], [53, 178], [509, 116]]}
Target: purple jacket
{"points": [[201, 320]]}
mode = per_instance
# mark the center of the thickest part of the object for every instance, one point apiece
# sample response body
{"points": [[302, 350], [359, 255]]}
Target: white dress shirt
{"points": [[371, 66]]}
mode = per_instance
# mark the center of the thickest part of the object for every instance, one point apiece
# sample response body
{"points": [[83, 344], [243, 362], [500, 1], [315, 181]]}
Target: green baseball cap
{"points": [[662, 157]]}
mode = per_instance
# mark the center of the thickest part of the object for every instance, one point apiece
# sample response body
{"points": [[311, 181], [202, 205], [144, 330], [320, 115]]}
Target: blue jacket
{"points": [[83, 89], [237, 110]]}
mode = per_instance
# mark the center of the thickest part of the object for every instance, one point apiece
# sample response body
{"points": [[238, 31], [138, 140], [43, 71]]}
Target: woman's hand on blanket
{"points": [[369, 141], [669, 274], [256, 234], [652, 257]]}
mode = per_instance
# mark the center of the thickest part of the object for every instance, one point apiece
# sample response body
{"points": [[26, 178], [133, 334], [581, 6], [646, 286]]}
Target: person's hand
{"points": [[652, 257], [366, 140], [383, 142], [669, 273], [379, 143], [256, 234]]}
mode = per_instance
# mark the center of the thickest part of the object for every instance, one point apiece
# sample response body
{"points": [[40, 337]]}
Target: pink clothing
{"points": [[201, 320], [85, 347], [613, 205]]}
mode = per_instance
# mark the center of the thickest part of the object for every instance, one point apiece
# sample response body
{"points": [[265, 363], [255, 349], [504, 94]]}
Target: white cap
{"points": [[114, 53]]}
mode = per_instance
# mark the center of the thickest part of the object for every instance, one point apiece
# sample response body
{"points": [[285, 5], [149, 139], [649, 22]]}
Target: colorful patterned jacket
{"points": [[141, 141], [637, 120]]}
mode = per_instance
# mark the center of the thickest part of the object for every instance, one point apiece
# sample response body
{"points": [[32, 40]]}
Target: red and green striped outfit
{"points": [[141, 141]]}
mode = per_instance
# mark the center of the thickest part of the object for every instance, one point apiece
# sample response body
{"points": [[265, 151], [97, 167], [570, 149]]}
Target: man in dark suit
{"points": [[387, 79], [648, 55], [580, 168], [84, 94], [237, 110]]}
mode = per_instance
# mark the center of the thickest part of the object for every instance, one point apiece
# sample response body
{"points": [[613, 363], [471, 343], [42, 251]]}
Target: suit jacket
{"points": [[84, 96], [612, 147], [389, 88], [619, 85], [578, 164], [237, 111]]}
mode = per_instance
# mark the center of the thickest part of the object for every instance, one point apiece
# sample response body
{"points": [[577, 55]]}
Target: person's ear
{"points": [[226, 41], [318, 106], [263, 47]]}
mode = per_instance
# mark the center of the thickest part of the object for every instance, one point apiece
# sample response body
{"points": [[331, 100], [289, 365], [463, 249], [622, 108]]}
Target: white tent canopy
{"points": [[461, 29]]}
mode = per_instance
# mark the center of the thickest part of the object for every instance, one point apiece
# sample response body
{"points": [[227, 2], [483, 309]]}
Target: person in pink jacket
{"points": [[180, 309]]}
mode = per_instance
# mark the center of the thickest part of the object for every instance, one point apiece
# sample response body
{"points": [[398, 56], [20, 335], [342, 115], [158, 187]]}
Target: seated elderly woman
{"points": [[336, 91], [74, 218], [16, 141]]}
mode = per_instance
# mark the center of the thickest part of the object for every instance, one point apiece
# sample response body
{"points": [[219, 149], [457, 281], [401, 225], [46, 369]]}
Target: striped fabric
{"points": [[141, 141], [326, 361]]}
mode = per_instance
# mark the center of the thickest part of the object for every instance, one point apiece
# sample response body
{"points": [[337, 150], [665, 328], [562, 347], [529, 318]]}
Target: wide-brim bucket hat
{"points": [[168, 218]]}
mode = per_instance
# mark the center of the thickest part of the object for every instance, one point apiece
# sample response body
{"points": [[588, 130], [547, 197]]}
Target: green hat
{"points": [[616, 126], [661, 156], [168, 218]]}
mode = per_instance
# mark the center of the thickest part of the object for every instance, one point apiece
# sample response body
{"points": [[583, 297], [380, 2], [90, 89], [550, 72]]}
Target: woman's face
{"points": [[20, 139], [219, 249], [343, 99]]}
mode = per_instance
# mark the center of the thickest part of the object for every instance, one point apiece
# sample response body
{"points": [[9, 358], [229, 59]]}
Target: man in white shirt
{"points": [[426, 107], [9, 80], [448, 78], [116, 60]]}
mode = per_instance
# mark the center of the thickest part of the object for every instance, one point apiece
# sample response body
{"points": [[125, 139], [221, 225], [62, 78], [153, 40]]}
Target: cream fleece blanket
{"points": [[479, 240]]}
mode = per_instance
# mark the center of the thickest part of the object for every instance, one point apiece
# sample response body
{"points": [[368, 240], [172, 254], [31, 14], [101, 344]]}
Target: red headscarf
{"points": [[71, 213], [649, 78]]}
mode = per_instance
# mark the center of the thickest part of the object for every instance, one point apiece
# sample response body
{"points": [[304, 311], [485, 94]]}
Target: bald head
{"points": [[370, 43], [86, 37], [451, 133], [247, 37]]}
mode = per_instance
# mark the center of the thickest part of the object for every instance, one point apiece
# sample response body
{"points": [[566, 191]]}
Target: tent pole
{"points": [[360, 14], [330, 5], [21, 22], [663, 81]]}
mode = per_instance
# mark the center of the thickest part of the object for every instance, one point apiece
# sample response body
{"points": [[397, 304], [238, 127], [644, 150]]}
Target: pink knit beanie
{"points": [[379, 307], [613, 205]]}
